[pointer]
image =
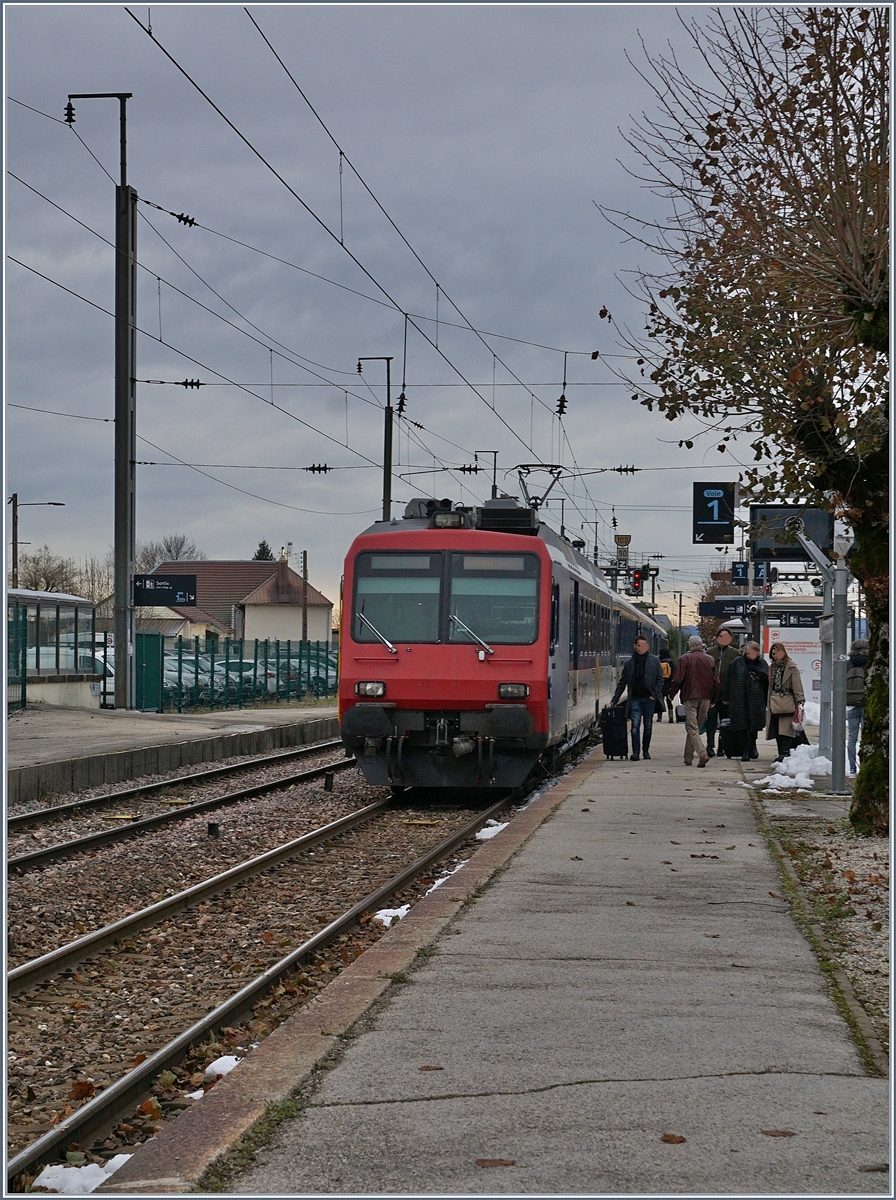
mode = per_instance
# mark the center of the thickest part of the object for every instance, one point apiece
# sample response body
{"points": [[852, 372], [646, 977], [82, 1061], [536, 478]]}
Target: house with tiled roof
{"points": [[250, 599]]}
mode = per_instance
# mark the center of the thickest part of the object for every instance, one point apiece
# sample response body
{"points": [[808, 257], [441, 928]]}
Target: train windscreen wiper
{"points": [[370, 625], [475, 636]]}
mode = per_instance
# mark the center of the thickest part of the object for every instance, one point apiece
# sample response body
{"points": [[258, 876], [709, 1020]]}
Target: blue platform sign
{"points": [[714, 505], [162, 591], [740, 574]]}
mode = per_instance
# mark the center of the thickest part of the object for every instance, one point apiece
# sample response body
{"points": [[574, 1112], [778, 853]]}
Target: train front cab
{"points": [[444, 678]]}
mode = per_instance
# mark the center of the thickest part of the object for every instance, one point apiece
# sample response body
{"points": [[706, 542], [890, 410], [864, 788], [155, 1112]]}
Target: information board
{"points": [[771, 540], [165, 590]]}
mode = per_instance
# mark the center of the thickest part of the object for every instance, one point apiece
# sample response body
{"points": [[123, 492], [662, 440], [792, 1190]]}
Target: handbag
{"points": [[782, 704]]}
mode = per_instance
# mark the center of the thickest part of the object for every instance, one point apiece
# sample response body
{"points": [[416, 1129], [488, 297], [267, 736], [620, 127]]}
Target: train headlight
{"points": [[370, 689], [513, 691], [447, 520]]}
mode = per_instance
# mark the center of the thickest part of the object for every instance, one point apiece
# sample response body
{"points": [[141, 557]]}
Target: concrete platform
{"points": [[633, 972], [58, 750]]}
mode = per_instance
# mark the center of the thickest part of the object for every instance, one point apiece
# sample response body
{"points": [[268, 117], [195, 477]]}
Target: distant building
{"points": [[251, 600]]}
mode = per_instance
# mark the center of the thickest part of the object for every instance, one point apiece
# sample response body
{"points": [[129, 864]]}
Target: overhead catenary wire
{"points": [[331, 233], [191, 359], [219, 316]]}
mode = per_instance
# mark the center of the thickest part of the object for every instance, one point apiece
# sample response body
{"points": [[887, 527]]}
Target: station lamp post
{"points": [[16, 504]]}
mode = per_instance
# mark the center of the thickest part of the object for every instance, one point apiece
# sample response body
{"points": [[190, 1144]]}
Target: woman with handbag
{"points": [[786, 700]]}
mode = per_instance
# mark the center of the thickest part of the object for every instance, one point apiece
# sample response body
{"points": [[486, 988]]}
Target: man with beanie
{"points": [[723, 653], [697, 680]]}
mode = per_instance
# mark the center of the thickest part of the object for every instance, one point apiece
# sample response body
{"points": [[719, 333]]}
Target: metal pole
{"points": [[825, 634], [387, 447], [125, 405], [125, 432], [305, 595], [15, 539], [838, 708]]}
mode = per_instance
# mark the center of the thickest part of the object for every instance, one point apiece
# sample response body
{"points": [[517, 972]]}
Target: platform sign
{"points": [[163, 591], [740, 574], [736, 606], [714, 505], [800, 620], [770, 539]]}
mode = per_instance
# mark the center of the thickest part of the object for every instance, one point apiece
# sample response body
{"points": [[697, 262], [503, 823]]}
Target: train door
{"points": [[557, 667]]}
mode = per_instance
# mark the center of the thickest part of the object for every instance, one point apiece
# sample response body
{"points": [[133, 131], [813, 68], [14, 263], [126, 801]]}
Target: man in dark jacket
{"points": [[697, 680], [643, 676], [855, 697], [723, 653]]}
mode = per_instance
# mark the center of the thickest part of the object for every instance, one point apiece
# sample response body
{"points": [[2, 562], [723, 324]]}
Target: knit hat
{"points": [[859, 646]]}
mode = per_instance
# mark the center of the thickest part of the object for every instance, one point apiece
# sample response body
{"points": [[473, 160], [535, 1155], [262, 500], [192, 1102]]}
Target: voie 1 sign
{"points": [[164, 590], [714, 505]]}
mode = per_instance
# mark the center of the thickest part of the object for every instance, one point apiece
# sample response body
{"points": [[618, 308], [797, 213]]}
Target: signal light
{"points": [[638, 581]]}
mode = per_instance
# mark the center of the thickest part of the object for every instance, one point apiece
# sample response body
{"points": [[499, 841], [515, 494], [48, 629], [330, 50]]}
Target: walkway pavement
{"points": [[41, 735], [628, 1007]]}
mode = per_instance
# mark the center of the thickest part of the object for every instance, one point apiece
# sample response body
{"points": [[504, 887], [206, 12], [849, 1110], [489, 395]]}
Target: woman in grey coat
{"points": [[785, 692]]}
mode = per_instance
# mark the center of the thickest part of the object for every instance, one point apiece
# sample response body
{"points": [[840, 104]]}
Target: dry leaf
{"points": [[494, 1162], [139, 1058], [673, 1139], [149, 1108], [778, 1132], [850, 875], [267, 936], [81, 1089]]}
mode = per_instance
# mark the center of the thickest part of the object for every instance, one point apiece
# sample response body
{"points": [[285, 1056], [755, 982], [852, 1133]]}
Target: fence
{"points": [[215, 674], [16, 657]]}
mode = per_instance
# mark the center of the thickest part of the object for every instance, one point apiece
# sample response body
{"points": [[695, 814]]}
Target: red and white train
{"points": [[475, 642]]}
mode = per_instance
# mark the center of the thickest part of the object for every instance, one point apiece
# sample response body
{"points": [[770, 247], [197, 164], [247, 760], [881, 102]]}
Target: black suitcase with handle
{"points": [[614, 731]]}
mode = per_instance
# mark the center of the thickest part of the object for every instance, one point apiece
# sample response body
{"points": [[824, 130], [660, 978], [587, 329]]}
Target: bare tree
{"points": [[769, 317], [44, 571], [174, 547], [96, 577]]}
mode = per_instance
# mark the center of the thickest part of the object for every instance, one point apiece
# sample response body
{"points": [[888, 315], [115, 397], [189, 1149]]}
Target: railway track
{"points": [[137, 824], [117, 1100], [34, 816]]}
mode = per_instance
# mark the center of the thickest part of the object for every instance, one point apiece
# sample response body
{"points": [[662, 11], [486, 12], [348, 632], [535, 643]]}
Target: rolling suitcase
{"points": [[680, 714], [729, 740], [614, 731]]}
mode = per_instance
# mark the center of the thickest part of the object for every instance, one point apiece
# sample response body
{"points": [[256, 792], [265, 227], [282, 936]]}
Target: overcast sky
{"points": [[486, 133]]}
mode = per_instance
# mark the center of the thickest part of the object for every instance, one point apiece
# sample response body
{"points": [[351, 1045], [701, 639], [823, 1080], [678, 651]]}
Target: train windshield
{"points": [[495, 596], [398, 594]]}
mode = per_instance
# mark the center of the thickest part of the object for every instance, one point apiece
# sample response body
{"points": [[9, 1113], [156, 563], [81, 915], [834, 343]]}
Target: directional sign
{"points": [[714, 505], [771, 539], [798, 620], [733, 607], [740, 574], [165, 590]]}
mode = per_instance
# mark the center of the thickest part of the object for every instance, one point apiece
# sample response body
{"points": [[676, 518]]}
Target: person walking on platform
{"points": [[743, 698], [855, 697], [697, 680], [723, 654], [667, 662], [785, 695], [643, 676]]}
